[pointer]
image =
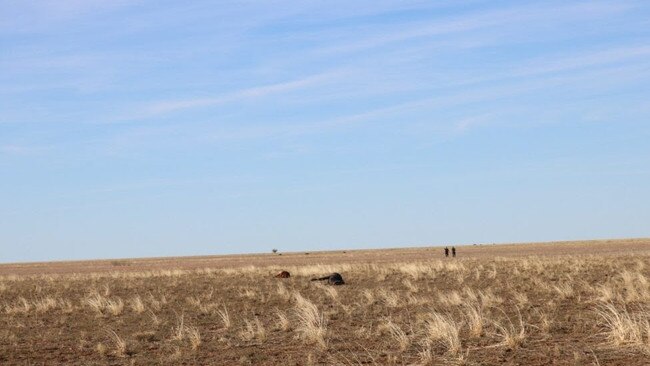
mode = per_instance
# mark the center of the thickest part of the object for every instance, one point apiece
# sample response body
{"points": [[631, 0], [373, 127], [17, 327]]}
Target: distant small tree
{"points": [[274, 250]]}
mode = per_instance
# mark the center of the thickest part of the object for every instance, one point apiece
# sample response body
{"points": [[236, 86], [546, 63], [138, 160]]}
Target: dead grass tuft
{"points": [[443, 330], [311, 322]]}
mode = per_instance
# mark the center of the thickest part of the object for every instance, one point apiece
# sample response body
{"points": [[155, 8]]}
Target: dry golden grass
{"points": [[532, 310], [311, 321]]}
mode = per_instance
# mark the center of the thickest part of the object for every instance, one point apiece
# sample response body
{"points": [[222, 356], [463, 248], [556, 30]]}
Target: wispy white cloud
{"points": [[596, 58], [162, 107], [549, 65], [438, 103], [526, 14]]}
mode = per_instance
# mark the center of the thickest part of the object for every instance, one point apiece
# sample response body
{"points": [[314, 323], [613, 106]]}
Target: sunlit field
{"points": [[586, 306]]}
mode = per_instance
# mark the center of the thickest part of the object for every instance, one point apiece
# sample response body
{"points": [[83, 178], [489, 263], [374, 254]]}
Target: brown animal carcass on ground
{"points": [[283, 274], [332, 279]]}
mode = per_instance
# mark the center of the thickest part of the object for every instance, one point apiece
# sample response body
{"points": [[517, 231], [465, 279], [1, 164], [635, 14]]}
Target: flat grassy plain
{"points": [[565, 303]]}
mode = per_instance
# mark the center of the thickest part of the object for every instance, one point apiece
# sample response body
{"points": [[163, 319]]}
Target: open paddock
{"points": [[573, 303]]}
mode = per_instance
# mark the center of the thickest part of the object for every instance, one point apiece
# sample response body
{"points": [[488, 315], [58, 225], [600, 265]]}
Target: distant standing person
{"points": [[446, 252], [453, 252]]}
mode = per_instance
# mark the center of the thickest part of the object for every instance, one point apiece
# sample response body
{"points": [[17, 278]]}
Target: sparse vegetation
{"points": [[464, 311]]}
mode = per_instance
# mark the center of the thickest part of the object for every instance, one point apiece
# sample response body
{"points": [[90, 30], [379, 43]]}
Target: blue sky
{"points": [[153, 128]]}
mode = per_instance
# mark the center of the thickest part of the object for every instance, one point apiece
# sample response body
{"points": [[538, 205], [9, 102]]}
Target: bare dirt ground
{"points": [[571, 303], [601, 247]]}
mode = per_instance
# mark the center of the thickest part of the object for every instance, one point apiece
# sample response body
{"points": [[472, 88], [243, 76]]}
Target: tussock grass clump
{"points": [[564, 290], [410, 286], [194, 337], [101, 349], [104, 305], [369, 296], [20, 306], [253, 330], [397, 334], [183, 331], [115, 307], [311, 323], [330, 291], [225, 317], [445, 331], [450, 299], [635, 287], [282, 321], [512, 335], [389, 298], [119, 343], [474, 319], [415, 270], [283, 292], [624, 329], [45, 304]]}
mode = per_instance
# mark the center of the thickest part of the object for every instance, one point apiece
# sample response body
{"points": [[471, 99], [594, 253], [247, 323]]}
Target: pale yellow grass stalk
{"points": [[475, 320], [492, 273], [415, 270], [253, 330], [410, 286], [606, 292], [21, 306], [283, 321], [182, 331], [512, 335], [66, 306], [545, 322], [331, 292], [389, 298], [283, 292], [45, 304], [488, 298], [625, 329], [398, 335], [470, 295], [369, 296], [521, 298], [193, 300], [311, 322], [137, 305], [416, 300], [96, 302], [101, 349], [115, 307], [477, 274], [194, 336], [564, 290], [363, 332], [178, 332], [636, 286], [154, 318], [426, 355], [209, 308], [451, 299], [157, 304], [248, 293], [442, 329], [225, 317], [120, 344]]}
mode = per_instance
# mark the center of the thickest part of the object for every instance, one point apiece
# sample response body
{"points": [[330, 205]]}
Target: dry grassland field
{"points": [[573, 303]]}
